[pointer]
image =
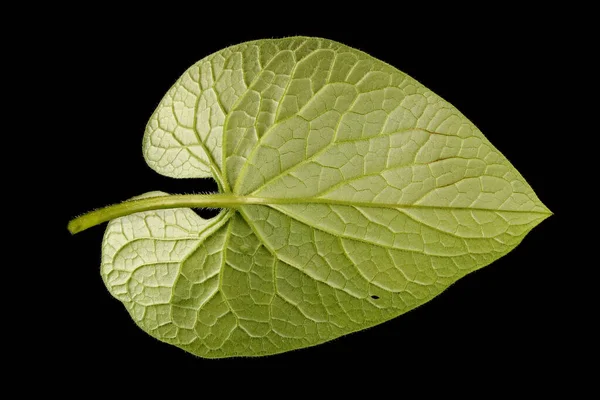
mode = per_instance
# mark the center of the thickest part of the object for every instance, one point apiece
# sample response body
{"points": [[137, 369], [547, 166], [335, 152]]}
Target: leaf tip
{"points": [[547, 211]]}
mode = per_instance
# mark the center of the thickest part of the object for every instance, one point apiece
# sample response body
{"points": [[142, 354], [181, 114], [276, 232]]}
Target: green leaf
{"points": [[351, 194]]}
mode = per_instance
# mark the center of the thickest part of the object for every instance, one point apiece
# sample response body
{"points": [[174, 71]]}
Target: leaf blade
{"points": [[359, 195]]}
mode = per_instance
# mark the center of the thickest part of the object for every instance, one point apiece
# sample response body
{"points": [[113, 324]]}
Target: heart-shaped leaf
{"points": [[350, 192]]}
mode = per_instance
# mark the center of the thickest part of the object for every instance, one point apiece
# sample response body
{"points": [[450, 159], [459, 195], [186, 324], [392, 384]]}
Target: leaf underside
{"points": [[386, 196]]}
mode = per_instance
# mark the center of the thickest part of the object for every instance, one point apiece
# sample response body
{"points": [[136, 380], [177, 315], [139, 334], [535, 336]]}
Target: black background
{"points": [[499, 321]]}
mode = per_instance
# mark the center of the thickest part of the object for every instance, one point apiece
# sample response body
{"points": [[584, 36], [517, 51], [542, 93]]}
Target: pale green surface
{"points": [[380, 188]]}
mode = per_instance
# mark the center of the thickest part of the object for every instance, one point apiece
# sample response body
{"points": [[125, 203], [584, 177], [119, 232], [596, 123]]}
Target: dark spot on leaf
{"points": [[375, 297]]}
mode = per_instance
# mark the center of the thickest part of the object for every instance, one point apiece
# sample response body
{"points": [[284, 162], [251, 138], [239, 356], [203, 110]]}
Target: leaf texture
{"points": [[380, 195]]}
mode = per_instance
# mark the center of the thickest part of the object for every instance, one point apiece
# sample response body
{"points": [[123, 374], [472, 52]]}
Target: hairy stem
{"points": [[97, 217], [105, 214]]}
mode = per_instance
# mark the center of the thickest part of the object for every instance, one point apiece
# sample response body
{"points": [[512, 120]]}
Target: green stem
{"points": [[105, 214], [96, 217]]}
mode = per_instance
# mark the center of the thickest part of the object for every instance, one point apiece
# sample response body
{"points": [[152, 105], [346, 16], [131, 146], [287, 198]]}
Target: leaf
{"points": [[359, 195]]}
